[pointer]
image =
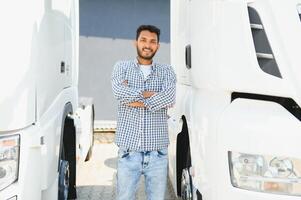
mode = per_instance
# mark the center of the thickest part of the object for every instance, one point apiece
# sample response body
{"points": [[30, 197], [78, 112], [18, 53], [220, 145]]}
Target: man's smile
{"points": [[147, 50]]}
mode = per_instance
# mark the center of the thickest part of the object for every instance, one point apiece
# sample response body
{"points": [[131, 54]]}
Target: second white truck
{"points": [[235, 131], [43, 128]]}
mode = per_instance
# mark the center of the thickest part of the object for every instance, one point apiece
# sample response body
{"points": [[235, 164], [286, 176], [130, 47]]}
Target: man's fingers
{"points": [[125, 82], [147, 94], [136, 104]]}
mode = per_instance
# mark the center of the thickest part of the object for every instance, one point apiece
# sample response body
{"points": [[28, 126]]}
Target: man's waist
{"points": [[145, 129], [132, 148]]}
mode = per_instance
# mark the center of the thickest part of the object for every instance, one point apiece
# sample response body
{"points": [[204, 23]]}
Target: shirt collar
{"points": [[137, 64]]}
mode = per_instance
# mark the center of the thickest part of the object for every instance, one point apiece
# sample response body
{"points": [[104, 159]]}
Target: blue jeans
{"points": [[131, 165]]}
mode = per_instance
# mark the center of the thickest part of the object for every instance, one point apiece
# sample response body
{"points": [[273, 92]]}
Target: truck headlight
{"points": [[9, 160], [263, 173]]}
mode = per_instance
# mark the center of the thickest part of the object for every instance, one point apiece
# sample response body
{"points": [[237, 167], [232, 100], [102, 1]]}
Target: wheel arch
{"points": [[183, 157], [68, 143], [67, 110]]}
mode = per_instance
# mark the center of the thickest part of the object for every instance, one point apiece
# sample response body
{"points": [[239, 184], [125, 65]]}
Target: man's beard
{"points": [[150, 57]]}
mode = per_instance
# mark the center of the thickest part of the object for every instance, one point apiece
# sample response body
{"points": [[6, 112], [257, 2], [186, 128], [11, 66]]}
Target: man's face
{"points": [[147, 45]]}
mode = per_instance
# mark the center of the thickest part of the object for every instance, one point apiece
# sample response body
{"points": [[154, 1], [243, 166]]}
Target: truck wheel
{"points": [[186, 185], [64, 174]]}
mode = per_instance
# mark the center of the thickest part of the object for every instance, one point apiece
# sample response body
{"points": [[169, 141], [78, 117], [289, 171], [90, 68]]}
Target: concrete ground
{"points": [[96, 179]]}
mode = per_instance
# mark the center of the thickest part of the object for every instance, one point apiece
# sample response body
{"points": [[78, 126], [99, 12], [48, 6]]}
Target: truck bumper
{"points": [[239, 194], [10, 193]]}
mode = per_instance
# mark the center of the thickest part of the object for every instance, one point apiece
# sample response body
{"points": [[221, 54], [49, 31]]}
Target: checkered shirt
{"points": [[143, 129]]}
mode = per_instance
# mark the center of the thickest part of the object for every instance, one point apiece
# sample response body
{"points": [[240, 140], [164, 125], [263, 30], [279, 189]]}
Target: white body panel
{"points": [[224, 61], [39, 163], [17, 64], [36, 38]]}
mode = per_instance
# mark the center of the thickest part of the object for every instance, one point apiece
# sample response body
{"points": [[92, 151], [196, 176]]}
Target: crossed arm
{"points": [[136, 98], [140, 104]]}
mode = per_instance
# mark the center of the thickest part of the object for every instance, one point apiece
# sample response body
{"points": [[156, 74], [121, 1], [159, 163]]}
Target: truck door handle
{"points": [[63, 68], [188, 56]]}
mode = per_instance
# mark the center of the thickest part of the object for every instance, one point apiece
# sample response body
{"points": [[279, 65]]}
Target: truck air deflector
{"points": [[264, 53], [288, 103]]}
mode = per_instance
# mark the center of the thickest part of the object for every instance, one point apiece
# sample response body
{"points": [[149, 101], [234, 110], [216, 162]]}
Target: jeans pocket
{"points": [[162, 152], [123, 153]]}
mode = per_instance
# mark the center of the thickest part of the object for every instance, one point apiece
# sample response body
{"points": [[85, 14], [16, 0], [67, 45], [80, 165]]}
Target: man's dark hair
{"points": [[150, 28]]}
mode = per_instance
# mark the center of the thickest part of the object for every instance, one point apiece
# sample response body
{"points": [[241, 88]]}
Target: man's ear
{"points": [[135, 43]]}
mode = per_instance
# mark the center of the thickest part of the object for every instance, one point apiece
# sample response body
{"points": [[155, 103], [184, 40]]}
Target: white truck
{"points": [[43, 130], [235, 130]]}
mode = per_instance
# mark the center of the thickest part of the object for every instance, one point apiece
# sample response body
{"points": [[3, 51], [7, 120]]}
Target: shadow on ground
{"points": [[111, 162]]}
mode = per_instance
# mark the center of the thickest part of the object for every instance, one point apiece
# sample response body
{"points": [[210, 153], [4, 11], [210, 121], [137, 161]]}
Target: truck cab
{"points": [[39, 126], [235, 128]]}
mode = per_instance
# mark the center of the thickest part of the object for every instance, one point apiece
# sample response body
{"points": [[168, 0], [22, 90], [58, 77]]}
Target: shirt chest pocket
{"points": [[134, 80], [154, 84]]}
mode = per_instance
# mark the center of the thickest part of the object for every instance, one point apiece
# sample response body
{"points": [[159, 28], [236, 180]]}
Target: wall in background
{"points": [[107, 34]]}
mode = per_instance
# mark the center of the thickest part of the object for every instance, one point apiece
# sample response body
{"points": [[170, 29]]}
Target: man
{"points": [[144, 90]]}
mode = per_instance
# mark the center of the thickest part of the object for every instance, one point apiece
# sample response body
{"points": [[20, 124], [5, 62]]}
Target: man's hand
{"points": [[136, 104], [125, 82], [147, 94]]}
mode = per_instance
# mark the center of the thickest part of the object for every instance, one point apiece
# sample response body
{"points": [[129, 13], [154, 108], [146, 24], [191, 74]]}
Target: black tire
{"points": [[64, 175], [186, 185], [183, 154]]}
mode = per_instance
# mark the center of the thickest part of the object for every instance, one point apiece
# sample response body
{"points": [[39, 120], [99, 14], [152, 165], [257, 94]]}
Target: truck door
{"points": [[51, 78], [180, 40], [202, 37], [69, 42], [65, 11]]}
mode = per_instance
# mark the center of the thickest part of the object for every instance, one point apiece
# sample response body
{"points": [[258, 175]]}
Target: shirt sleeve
{"points": [[121, 91], [166, 97]]}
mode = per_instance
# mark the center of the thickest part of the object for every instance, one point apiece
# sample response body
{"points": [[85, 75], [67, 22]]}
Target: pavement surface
{"points": [[96, 179]]}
